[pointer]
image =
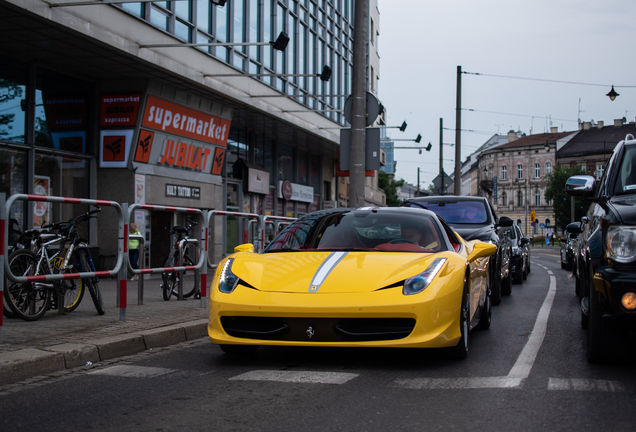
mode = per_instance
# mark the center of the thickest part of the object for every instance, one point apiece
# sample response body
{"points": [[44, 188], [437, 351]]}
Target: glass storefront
{"points": [[60, 150]]}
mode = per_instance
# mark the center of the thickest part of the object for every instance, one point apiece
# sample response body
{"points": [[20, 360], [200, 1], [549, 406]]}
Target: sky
{"points": [[421, 43]]}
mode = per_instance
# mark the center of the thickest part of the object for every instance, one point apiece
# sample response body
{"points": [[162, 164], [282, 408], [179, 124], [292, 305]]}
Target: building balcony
{"points": [[486, 185]]}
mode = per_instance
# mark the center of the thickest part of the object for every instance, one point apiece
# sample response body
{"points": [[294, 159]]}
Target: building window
{"points": [[504, 199], [537, 170], [537, 198], [519, 171], [504, 172], [520, 199], [547, 201], [548, 168]]}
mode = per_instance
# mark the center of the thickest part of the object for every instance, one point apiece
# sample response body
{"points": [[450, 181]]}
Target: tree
{"points": [[561, 202], [390, 188]]}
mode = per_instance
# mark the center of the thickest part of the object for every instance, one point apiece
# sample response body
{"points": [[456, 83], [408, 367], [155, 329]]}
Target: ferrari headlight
{"points": [[621, 243], [228, 280], [417, 284]]}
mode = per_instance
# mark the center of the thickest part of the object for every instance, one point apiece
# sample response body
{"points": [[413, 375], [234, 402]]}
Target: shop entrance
{"points": [[160, 237]]}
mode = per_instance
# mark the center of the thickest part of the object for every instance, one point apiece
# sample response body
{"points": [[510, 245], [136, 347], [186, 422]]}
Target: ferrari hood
{"points": [[328, 272]]}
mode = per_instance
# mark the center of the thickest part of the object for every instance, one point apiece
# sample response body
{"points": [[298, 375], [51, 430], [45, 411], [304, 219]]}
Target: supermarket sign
{"points": [[176, 119]]}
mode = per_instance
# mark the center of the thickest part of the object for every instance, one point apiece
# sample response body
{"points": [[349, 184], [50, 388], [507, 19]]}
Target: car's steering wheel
{"points": [[401, 240]]}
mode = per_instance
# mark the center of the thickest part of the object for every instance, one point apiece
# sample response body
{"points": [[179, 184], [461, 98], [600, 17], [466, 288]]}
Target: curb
{"points": [[26, 363]]}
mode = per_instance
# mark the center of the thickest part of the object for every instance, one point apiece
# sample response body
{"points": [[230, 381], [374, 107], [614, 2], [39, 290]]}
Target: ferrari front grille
{"points": [[318, 329]]}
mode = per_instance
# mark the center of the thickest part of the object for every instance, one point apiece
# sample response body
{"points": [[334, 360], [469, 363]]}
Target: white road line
{"points": [[580, 384], [526, 359], [132, 371], [519, 372], [457, 383], [305, 377]]}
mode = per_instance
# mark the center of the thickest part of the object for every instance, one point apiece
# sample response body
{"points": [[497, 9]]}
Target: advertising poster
{"points": [[119, 110], [140, 189], [41, 210]]}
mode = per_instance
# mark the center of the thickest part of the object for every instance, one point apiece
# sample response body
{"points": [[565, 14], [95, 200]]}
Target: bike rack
{"points": [[255, 216], [199, 268], [4, 215]]}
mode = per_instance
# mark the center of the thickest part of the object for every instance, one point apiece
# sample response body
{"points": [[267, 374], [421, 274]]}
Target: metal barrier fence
{"points": [[5, 208], [199, 269], [123, 266]]}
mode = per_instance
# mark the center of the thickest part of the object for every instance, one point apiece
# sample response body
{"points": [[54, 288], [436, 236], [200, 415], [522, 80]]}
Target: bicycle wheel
{"points": [[189, 286], [6, 310], [26, 300], [73, 292], [169, 279], [91, 284]]}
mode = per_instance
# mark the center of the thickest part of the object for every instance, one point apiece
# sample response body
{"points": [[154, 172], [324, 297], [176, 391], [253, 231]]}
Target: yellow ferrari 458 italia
{"points": [[367, 277]]}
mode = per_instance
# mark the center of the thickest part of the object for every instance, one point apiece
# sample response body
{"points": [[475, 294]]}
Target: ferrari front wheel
{"points": [[460, 351]]}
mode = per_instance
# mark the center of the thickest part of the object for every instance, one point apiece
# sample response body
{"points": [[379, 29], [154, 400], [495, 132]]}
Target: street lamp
{"points": [[612, 94], [279, 44]]}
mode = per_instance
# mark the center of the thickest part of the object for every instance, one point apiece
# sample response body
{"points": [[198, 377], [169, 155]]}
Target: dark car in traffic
{"points": [[473, 218], [520, 258], [606, 262], [567, 249]]}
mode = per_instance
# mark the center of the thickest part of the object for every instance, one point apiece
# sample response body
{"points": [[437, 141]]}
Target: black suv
{"points": [[473, 218], [606, 262]]}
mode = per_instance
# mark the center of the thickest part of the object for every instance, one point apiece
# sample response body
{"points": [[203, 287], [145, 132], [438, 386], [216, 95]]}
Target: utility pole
{"points": [[458, 135], [359, 105], [418, 181], [441, 154]]}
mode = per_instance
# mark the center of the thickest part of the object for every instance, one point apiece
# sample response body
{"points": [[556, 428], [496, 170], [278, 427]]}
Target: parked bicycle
{"points": [[171, 279], [31, 300]]}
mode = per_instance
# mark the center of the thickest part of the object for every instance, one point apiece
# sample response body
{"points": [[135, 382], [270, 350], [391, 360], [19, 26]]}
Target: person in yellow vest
{"points": [[133, 248]]}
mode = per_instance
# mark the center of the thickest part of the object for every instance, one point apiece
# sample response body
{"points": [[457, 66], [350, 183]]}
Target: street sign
{"points": [[494, 186], [372, 147], [443, 183], [373, 109], [542, 225]]}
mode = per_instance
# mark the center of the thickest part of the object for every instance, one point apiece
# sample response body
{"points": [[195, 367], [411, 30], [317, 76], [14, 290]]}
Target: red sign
{"points": [[65, 113], [184, 155], [219, 156], [114, 146], [176, 119], [119, 110], [142, 153], [342, 173]]}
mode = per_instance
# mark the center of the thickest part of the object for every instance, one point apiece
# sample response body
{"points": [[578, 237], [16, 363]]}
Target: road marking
{"points": [[304, 377], [457, 383], [132, 371], [580, 384], [526, 359], [519, 372]]}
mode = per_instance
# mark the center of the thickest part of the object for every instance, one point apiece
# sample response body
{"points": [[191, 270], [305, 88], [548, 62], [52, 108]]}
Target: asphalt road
{"points": [[527, 373]]}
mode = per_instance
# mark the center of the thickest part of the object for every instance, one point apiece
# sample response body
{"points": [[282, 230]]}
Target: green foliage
{"points": [[561, 202], [390, 188]]}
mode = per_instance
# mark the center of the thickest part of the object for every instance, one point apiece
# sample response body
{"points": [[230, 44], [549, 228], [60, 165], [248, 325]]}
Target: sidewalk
{"points": [[57, 342]]}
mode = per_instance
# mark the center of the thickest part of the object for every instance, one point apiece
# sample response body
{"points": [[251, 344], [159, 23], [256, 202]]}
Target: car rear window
{"points": [[626, 180], [457, 212]]}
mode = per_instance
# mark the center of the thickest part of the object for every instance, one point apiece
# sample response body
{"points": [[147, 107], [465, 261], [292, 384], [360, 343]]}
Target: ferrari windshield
{"points": [[362, 230], [457, 212]]}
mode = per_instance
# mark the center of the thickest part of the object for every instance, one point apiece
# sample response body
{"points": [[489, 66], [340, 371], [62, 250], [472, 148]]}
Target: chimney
{"points": [[587, 125], [600, 125], [554, 129], [512, 136], [580, 126], [618, 122]]}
